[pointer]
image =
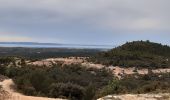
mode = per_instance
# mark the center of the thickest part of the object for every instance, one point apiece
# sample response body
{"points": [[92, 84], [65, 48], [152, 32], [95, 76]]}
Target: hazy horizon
{"points": [[54, 43], [89, 22]]}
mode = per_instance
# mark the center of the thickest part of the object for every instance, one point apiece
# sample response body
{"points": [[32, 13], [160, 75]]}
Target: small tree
{"points": [[90, 92], [112, 88], [23, 63]]}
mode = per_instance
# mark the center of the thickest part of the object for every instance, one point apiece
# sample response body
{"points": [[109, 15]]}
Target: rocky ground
{"points": [[165, 96]]}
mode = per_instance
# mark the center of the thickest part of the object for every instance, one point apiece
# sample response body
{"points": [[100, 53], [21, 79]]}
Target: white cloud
{"points": [[63, 17], [113, 14]]}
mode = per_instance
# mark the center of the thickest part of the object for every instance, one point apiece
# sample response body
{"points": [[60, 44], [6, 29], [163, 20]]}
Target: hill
{"points": [[136, 54]]}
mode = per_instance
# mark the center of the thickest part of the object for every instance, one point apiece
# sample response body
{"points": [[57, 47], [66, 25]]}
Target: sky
{"points": [[100, 22]]}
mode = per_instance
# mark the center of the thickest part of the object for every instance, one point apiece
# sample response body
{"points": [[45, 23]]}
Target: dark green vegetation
{"points": [[41, 53], [136, 54], [78, 83], [70, 81], [137, 84]]}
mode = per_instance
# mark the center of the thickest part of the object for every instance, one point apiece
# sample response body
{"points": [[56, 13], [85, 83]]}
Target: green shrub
{"points": [[40, 81], [67, 90], [90, 92], [113, 87], [29, 91]]}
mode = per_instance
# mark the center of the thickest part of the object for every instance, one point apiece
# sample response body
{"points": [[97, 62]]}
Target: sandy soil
{"points": [[66, 61], [165, 96], [6, 85], [117, 71]]}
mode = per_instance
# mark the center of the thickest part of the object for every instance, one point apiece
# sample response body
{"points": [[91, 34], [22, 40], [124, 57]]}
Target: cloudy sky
{"points": [[85, 21]]}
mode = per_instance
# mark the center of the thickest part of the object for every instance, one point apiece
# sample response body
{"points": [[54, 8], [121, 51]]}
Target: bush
{"points": [[90, 92], [40, 81], [68, 90], [2, 70], [113, 87], [29, 91]]}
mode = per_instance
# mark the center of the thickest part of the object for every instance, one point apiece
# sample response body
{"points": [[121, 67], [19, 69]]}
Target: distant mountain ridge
{"points": [[55, 45], [30, 43], [35, 43]]}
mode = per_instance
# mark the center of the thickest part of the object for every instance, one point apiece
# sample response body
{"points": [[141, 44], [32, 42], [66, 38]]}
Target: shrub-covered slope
{"points": [[136, 54]]}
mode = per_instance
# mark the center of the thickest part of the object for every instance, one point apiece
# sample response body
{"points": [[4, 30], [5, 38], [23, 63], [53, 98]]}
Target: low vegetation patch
{"points": [[138, 84]]}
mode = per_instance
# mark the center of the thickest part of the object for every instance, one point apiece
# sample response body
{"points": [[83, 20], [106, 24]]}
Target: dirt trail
{"points": [[6, 85]]}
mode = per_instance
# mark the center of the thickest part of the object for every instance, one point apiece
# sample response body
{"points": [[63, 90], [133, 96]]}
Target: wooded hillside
{"points": [[138, 54]]}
